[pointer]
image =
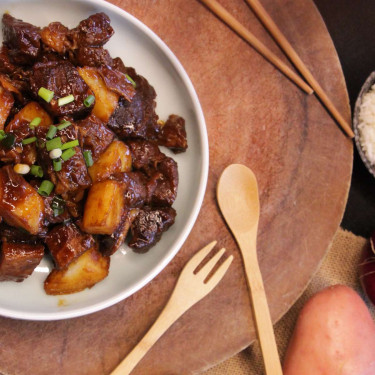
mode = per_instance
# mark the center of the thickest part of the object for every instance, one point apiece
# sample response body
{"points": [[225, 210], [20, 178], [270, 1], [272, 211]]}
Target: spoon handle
{"points": [[260, 308]]}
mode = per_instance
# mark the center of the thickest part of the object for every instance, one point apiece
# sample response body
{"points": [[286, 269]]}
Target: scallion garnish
{"points": [[46, 188], [27, 141], [51, 132], [57, 205], [2, 134], [130, 79], [64, 124], [36, 171], [35, 121], [57, 165], [70, 144], [89, 100], [53, 143], [88, 158], [8, 141], [67, 154], [65, 100], [46, 94]]}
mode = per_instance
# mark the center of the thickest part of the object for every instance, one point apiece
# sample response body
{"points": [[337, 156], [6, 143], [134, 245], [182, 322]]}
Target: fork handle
{"points": [[261, 311], [167, 317]]}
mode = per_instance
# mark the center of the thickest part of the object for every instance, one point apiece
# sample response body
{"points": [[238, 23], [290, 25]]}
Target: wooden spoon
{"points": [[237, 195]]}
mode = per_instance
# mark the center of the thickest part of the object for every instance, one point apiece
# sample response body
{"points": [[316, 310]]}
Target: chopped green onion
{"points": [[51, 132], [65, 100], [88, 158], [35, 122], [8, 141], [64, 124], [53, 143], [70, 144], [46, 94], [89, 100], [57, 211], [36, 171], [57, 165], [27, 141], [130, 79], [46, 188], [67, 154], [2, 134]]}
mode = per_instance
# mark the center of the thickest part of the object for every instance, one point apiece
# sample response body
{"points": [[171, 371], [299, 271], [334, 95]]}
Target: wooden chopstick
{"points": [[224, 15], [271, 26]]}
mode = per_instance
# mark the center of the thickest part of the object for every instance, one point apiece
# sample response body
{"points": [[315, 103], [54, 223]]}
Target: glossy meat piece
{"points": [[20, 204], [173, 134], [94, 136], [6, 66], [95, 30], [149, 225], [164, 183], [18, 260], [55, 37], [22, 39], [92, 56], [117, 82], [13, 234], [110, 244], [66, 242], [145, 154], [136, 119], [136, 191], [6, 104], [63, 79]]}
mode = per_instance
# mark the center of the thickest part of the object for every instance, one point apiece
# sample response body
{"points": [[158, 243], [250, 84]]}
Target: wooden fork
{"points": [[191, 287]]}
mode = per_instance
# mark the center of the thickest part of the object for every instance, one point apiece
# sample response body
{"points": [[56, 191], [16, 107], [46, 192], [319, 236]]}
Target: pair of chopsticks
{"points": [[270, 25]]}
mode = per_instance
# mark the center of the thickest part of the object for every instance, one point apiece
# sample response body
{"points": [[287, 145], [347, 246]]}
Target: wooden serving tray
{"points": [[254, 116]]}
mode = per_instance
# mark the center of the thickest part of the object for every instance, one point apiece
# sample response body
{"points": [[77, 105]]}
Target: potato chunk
{"points": [[18, 260], [6, 104], [105, 100], [104, 207], [20, 204], [84, 272], [67, 242], [116, 158]]}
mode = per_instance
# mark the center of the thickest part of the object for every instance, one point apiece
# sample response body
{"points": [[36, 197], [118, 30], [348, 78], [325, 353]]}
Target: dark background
{"points": [[351, 24]]}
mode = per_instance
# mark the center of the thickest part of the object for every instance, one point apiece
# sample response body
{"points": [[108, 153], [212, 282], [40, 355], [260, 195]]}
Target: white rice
{"points": [[366, 125]]}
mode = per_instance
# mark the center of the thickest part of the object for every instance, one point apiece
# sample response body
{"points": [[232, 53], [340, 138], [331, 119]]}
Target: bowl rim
{"points": [[369, 82], [202, 184]]}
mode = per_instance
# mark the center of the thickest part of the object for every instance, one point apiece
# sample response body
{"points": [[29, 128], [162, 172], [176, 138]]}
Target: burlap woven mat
{"points": [[338, 267]]}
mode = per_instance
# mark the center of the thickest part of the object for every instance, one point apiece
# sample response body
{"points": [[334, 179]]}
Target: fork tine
{"points": [[207, 268], [199, 256], [220, 272]]}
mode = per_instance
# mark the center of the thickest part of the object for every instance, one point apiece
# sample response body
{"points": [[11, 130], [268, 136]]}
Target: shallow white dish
{"points": [[140, 48]]}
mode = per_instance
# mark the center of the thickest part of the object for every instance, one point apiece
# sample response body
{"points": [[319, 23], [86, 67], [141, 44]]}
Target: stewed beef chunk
{"points": [[55, 37], [22, 39], [145, 154], [94, 136], [92, 56], [149, 225], [93, 31], [18, 260], [136, 119], [173, 134], [63, 79], [6, 66]]}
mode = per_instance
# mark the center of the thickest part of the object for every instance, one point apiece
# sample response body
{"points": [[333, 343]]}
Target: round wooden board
{"points": [[254, 116]]}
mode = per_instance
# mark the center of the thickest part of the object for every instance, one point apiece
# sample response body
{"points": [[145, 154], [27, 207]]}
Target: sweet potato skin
{"points": [[334, 335]]}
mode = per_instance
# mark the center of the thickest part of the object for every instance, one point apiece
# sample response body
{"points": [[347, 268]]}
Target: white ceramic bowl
{"points": [[139, 47]]}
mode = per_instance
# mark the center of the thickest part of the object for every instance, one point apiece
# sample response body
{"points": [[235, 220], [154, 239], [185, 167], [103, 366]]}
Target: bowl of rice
{"points": [[364, 123]]}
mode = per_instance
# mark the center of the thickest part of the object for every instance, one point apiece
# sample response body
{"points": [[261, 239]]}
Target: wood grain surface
{"points": [[254, 116]]}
